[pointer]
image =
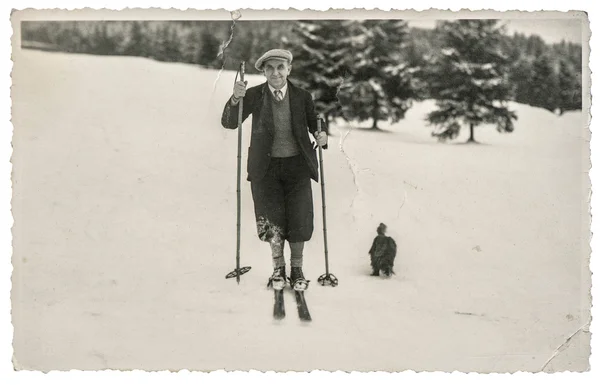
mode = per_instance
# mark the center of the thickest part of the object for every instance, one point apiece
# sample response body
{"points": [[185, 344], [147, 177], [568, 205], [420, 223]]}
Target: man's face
{"points": [[276, 71]]}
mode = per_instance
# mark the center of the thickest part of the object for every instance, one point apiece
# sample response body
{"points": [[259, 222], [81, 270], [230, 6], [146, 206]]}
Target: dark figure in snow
{"points": [[281, 160], [383, 253]]}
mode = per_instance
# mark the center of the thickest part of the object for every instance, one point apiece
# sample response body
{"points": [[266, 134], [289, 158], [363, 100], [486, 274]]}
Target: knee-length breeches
{"points": [[283, 202]]}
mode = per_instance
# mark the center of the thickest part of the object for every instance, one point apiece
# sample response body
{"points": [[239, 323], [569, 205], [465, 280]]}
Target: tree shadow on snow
{"points": [[373, 130], [405, 137], [468, 143]]}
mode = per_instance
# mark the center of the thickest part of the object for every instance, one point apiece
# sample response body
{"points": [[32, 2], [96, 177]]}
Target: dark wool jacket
{"points": [[257, 102]]}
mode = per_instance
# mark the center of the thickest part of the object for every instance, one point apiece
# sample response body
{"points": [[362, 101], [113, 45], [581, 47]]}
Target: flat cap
{"points": [[280, 54]]}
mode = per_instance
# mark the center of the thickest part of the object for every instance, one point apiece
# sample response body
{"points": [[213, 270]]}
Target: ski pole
{"points": [[327, 278], [239, 271]]}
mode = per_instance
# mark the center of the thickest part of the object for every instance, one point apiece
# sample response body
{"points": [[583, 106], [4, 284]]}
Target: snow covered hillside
{"points": [[125, 227]]}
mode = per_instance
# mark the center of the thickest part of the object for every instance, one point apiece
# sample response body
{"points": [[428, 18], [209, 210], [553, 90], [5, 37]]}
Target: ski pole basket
{"points": [[328, 279], [238, 272]]}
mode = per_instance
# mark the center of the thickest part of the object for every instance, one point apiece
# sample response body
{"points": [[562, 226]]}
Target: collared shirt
{"points": [[283, 90]]}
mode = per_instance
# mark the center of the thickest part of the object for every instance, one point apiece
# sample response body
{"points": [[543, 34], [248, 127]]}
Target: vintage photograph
{"points": [[299, 191]]}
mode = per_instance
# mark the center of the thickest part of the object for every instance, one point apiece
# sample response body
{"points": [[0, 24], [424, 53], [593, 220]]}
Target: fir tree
{"points": [[191, 48], [242, 47], [103, 44], [520, 77], [544, 84], [469, 79], [209, 48], [137, 44], [159, 42], [173, 44], [535, 46], [381, 85], [321, 52], [569, 88], [247, 48]]}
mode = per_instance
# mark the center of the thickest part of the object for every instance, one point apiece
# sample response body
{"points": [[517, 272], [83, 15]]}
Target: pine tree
{"points": [[138, 42], [321, 53], [535, 46], [209, 48], [173, 46], [381, 85], [544, 84], [242, 46], [520, 77], [469, 79], [246, 50], [159, 42], [191, 47], [103, 44], [569, 88]]}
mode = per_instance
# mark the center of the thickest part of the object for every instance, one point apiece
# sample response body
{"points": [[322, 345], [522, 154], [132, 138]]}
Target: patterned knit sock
{"points": [[277, 254], [296, 250]]}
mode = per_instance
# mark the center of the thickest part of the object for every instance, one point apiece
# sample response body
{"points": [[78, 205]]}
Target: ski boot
{"points": [[278, 279], [297, 280]]}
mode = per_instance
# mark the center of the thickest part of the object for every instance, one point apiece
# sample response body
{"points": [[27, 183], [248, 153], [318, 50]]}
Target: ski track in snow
{"points": [[125, 221]]}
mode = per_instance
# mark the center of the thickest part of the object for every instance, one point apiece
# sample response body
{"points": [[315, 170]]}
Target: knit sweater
{"points": [[284, 143]]}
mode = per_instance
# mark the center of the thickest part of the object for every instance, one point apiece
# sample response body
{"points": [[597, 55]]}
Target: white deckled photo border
{"points": [[174, 9]]}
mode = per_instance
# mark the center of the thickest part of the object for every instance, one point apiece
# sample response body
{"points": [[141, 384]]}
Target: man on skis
{"points": [[281, 160]]}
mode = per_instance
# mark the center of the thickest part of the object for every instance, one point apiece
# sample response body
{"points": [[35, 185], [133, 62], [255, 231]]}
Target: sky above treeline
{"points": [[551, 30]]}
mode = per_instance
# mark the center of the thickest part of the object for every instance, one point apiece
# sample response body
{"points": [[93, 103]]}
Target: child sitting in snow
{"points": [[383, 253]]}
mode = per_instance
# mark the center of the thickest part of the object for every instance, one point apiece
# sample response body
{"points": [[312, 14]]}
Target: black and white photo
{"points": [[299, 191]]}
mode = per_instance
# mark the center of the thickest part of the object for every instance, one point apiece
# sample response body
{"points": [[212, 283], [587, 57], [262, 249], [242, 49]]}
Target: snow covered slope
{"points": [[125, 194]]}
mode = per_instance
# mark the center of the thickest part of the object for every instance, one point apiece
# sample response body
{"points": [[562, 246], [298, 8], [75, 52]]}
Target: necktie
{"points": [[278, 95]]}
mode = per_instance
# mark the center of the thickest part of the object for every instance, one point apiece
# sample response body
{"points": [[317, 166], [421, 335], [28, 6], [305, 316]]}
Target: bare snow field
{"points": [[125, 227]]}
